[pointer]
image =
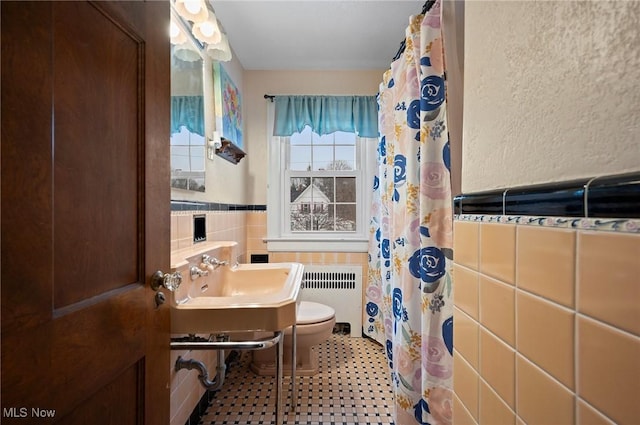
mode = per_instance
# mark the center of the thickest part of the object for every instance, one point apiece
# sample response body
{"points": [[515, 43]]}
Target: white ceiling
{"points": [[315, 35]]}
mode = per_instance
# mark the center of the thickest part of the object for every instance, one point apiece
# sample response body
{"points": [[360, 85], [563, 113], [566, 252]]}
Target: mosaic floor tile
{"points": [[351, 388]]}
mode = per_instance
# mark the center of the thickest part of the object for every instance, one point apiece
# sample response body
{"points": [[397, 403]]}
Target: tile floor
{"points": [[351, 388]]}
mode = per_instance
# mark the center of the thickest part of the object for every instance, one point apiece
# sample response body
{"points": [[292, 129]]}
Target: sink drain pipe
{"points": [[218, 380]]}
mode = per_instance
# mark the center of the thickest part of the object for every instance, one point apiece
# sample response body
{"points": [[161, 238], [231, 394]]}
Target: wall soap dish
{"points": [[199, 228]]}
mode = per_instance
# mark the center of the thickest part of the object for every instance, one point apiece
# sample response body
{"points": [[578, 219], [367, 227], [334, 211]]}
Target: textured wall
{"points": [[550, 91]]}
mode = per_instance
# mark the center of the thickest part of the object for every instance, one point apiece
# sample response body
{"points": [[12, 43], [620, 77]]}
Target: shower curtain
{"points": [[409, 288]]}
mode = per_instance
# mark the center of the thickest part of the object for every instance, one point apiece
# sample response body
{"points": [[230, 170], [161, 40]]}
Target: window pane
{"points": [[346, 217], [179, 182], [196, 182], [324, 221], [300, 205], [298, 185], [180, 138], [300, 221], [324, 191], [197, 159], [345, 189], [300, 158], [196, 139], [303, 138], [180, 158], [343, 138], [345, 158], [322, 157], [325, 139]]}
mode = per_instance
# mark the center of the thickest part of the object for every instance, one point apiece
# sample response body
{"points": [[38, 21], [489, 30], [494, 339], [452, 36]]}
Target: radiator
{"points": [[339, 287]]}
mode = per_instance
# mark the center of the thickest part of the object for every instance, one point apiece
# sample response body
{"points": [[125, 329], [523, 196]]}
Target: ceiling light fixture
{"points": [[193, 10], [208, 31], [220, 51], [186, 52], [207, 34], [177, 36]]}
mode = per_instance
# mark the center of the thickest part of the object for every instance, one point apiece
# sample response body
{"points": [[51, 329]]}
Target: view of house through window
{"points": [[321, 174]]}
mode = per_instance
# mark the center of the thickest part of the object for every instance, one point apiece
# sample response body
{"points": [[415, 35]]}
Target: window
{"points": [[319, 191], [321, 173], [187, 160]]}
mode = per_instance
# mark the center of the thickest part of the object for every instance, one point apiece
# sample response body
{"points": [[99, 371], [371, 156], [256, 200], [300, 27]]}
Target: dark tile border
{"points": [[603, 197], [479, 203], [177, 205], [613, 197], [565, 199], [201, 408]]}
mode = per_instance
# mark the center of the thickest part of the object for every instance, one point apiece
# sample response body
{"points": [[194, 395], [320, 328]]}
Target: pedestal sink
{"points": [[244, 297], [217, 296]]}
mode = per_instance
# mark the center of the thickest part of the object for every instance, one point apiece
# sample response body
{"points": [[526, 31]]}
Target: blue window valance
{"points": [[187, 111], [326, 114]]}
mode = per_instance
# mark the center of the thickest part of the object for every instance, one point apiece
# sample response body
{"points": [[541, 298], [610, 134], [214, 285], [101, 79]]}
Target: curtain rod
{"points": [[425, 8], [271, 96]]}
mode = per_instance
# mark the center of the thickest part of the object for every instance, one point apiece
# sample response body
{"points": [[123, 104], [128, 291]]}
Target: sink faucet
{"points": [[212, 263], [197, 272]]}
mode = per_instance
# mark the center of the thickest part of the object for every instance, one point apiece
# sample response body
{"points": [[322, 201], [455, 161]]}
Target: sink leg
{"points": [[294, 361], [279, 367]]}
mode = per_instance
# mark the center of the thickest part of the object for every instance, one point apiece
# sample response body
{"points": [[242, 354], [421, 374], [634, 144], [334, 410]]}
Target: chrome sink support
{"points": [[294, 391], [222, 342], [279, 361], [196, 343]]}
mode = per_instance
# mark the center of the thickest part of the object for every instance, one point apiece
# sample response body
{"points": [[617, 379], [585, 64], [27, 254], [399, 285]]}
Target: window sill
{"points": [[317, 245]]}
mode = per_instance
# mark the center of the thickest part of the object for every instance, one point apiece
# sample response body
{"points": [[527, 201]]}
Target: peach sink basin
{"points": [[245, 297]]}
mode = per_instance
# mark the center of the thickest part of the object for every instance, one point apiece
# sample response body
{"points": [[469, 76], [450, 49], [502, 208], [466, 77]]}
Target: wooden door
{"points": [[85, 212]]}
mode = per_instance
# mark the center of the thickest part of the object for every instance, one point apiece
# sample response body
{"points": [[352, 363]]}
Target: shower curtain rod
{"points": [[425, 8]]}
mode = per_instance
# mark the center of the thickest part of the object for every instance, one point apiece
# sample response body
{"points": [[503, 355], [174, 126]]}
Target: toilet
{"points": [[314, 325]]}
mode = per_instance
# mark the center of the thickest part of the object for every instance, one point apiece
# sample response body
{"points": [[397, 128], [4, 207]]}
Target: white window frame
{"points": [[279, 234]]}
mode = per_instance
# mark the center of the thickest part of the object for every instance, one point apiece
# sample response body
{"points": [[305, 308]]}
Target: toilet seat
{"points": [[311, 312]]}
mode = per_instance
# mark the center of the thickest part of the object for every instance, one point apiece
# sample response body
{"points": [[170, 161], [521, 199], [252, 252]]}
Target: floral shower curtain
{"points": [[409, 289]]}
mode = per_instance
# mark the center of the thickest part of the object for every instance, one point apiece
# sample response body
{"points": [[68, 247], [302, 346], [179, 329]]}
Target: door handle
{"points": [[171, 281]]}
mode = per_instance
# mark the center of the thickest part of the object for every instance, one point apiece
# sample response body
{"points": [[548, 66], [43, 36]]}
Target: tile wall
{"points": [[257, 232], [220, 226], [186, 390], [249, 229], [547, 325]]}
